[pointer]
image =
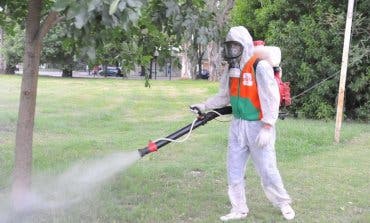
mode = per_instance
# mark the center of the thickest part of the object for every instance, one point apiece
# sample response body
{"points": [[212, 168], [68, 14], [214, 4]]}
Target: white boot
{"points": [[233, 216], [238, 202], [287, 212]]}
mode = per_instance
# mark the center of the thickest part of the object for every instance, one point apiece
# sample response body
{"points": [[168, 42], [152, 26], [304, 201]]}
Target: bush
{"points": [[310, 35]]}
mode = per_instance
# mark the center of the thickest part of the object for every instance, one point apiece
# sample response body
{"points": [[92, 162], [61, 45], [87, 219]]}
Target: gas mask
{"points": [[232, 51]]}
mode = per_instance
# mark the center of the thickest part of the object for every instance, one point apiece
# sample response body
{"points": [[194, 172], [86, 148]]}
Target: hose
{"points": [[182, 140], [191, 129]]}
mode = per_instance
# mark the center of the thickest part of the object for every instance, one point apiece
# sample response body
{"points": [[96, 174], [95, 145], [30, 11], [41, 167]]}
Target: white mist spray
{"points": [[70, 187]]}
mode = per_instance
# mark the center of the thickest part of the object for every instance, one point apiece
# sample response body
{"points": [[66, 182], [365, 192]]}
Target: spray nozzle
{"points": [[151, 147]]}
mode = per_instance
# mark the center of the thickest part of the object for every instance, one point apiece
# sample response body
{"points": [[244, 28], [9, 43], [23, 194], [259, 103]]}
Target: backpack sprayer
{"points": [[272, 54], [201, 120]]}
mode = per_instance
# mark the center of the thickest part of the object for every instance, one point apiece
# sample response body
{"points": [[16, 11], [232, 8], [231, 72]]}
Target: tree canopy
{"points": [[110, 32]]}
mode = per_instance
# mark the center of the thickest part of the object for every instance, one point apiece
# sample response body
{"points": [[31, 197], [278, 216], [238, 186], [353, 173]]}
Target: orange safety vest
{"points": [[244, 97]]}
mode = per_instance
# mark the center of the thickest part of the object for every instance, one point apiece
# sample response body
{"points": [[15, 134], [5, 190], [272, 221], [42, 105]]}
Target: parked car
{"points": [[111, 71]]}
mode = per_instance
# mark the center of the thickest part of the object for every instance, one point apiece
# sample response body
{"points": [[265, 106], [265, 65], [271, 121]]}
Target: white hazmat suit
{"points": [[252, 139]]}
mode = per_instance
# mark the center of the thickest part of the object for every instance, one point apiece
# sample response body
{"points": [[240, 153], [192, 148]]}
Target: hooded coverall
{"points": [[243, 133]]}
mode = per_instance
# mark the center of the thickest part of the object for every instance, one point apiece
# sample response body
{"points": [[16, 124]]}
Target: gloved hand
{"points": [[198, 108], [264, 137]]}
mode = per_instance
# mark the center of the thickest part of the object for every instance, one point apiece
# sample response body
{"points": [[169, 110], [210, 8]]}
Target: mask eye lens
{"points": [[232, 49], [235, 50]]}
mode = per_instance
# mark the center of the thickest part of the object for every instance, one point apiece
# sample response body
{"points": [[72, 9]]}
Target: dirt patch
{"points": [[197, 173], [6, 131], [7, 128], [361, 140]]}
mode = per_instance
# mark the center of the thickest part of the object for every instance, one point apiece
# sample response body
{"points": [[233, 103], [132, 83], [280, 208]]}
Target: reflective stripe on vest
{"points": [[244, 97]]}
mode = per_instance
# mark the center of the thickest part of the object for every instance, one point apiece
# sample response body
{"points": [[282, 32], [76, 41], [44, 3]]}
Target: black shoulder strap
{"points": [[255, 65]]}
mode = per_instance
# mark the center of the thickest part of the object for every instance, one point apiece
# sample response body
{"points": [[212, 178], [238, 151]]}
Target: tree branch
{"points": [[52, 18]]}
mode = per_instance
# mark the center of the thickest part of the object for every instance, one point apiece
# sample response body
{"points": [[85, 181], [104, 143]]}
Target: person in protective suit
{"points": [[254, 97]]}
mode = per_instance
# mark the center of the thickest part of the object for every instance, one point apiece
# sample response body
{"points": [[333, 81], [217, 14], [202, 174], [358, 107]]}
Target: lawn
{"points": [[78, 119]]}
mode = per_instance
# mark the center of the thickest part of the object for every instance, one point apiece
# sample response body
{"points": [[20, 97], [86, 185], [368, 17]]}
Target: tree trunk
{"points": [[151, 69], [35, 32], [142, 73], [67, 72], [215, 61], [185, 63], [2, 59], [221, 9], [185, 66], [200, 62], [26, 113], [10, 69]]}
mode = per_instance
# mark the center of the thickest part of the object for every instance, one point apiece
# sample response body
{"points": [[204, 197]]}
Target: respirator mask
{"points": [[232, 51]]}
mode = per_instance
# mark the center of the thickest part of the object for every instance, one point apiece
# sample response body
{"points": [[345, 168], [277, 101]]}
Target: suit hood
{"points": [[241, 35]]}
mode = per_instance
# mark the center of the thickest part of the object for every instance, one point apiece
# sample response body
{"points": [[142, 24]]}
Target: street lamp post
{"points": [[156, 54]]}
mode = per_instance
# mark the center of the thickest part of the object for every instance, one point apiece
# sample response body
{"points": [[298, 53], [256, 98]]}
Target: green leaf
{"points": [[93, 5], [106, 19], [133, 3], [113, 7], [133, 16], [122, 6], [81, 19], [60, 5], [172, 8], [91, 53], [73, 11], [144, 31]]}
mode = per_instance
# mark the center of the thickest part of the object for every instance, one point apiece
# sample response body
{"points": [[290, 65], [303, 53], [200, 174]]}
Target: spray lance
{"points": [[202, 119]]}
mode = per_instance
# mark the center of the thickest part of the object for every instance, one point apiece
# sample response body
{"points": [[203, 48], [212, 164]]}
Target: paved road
{"points": [[85, 74]]}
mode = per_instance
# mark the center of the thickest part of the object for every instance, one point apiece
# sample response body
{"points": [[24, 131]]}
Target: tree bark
{"points": [[185, 62], [27, 104], [221, 10], [2, 59], [216, 66], [67, 72], [10, 69], [26, 113]]}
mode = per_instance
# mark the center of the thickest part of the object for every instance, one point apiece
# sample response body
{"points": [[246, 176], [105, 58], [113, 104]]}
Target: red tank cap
{"points": [[258, 43]]}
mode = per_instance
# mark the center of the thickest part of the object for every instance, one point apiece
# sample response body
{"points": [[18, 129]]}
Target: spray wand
{"points": [[201, 120]]}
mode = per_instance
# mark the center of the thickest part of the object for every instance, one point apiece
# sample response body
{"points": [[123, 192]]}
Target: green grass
{"points": [[83, 118]]}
